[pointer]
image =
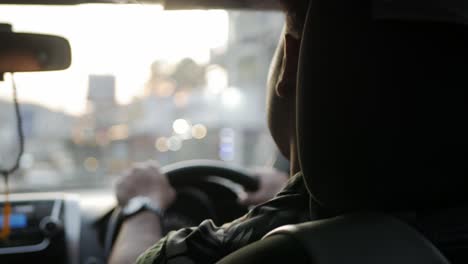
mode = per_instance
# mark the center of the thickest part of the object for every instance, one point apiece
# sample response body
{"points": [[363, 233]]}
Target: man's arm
{"points": [[136, 235], [208, 243], [141, 231]]}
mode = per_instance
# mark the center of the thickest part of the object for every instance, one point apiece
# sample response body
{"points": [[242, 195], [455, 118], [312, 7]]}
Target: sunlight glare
{"points": [[122, 40]]}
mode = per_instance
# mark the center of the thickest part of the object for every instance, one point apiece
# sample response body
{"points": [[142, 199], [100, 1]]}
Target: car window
{"points": [[144, 84]]}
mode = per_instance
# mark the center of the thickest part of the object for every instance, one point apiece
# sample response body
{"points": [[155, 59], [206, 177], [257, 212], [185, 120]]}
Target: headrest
{"points": [[383, 104]]}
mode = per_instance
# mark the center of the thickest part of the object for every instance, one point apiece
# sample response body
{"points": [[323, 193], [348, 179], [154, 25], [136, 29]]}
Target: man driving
{"points": [[208, 243]]}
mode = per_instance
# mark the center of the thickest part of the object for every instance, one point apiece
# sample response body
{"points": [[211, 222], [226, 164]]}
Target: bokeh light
{"points": [[181, 126], [199, 131], [91, 164], [174, 143], [161, 144]]}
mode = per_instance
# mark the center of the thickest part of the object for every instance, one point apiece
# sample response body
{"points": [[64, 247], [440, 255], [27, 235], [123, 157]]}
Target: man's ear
{"points": [[287, 79]]}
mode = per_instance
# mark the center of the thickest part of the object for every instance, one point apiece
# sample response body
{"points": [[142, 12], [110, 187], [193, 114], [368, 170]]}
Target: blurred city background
{"points": [[193, 105]]}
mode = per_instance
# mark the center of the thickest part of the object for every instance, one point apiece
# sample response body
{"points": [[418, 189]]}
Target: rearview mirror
{"points": [[27, 52]]}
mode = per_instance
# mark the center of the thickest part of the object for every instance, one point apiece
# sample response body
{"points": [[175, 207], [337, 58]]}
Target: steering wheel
{"points": [[190, 180]]}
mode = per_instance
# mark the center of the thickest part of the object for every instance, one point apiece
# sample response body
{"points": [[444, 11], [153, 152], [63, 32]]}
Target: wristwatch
{"points": [[140, 204]]}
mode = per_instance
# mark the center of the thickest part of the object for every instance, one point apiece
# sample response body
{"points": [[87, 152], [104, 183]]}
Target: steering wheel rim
{"points": [[182, 174], [177, 173]]}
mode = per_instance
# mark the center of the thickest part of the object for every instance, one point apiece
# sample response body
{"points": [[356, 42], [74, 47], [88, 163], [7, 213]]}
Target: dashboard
{"points": [[56, 228], [73, 228]]}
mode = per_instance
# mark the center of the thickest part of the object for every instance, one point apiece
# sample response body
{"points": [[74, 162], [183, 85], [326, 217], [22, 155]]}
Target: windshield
{"points": [[144, 84]]}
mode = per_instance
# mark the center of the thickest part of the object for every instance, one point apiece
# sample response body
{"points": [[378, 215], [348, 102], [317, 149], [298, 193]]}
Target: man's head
{"points": [[295, 11], [282, 80]]}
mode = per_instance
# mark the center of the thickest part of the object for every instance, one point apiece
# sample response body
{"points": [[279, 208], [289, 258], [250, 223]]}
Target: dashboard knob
{"points": [[50, 226]]}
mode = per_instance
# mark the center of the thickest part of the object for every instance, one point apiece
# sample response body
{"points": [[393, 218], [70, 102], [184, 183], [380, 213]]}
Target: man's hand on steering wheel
{"points": [[145, 179], [140, 231]]}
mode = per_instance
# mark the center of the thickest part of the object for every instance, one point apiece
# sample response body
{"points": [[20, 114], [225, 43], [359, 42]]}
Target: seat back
{"points": [[350, 239], [382, 103]]}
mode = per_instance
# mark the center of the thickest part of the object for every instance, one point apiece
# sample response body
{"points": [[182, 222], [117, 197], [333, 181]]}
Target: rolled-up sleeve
{"points": [[152, 253]]}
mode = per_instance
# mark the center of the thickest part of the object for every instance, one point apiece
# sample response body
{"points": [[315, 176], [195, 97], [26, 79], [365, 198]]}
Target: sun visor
{"points": [[452, 11]]}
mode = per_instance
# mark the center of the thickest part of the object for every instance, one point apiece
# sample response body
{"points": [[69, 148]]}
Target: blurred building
{"points": [[252, 42], [101, 100], [47, 160], [184, 116], [96, 136]]}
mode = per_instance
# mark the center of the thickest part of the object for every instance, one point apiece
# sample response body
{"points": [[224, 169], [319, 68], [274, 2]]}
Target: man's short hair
{"points": [[295, 11]]}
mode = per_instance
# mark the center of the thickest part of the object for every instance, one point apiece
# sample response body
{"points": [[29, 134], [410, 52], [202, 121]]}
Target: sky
{"points": [[122, 40]]}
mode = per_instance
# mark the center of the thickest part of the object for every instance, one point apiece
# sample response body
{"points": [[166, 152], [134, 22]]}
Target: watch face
{"points": [[135, 204]]}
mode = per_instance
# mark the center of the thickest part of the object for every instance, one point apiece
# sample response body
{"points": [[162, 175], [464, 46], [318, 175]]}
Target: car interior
{"points": [[382, 143], [378, 99]]}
